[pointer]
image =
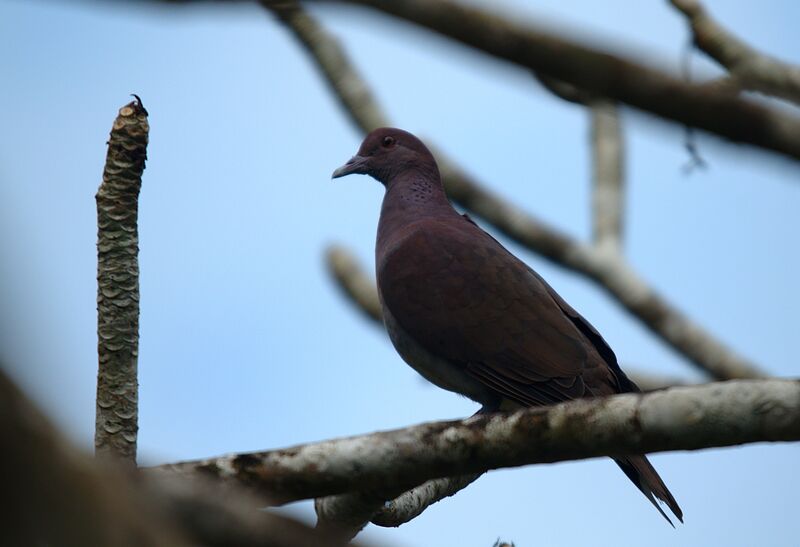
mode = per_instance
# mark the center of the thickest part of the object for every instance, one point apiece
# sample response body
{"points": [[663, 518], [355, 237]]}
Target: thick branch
{"points": [[118, 284], [603, 74], [750, 68], [608, 179], [690, 339], [680, 418]]}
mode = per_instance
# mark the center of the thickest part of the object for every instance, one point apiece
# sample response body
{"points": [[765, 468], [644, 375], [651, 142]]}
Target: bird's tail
{"points": [[644, 476]]}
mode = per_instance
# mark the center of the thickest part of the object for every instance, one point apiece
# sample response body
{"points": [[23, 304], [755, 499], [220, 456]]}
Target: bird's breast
{"points": [[437, 370]]}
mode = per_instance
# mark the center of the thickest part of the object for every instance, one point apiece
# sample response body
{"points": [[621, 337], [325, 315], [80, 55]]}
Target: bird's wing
{"points": [[463, 297]]}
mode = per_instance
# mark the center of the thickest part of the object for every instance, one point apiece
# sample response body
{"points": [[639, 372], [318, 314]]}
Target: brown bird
{"points": [[470, 316]]}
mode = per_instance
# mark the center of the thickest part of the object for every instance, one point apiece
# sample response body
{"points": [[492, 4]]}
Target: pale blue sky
{"points": [[246, 344]]}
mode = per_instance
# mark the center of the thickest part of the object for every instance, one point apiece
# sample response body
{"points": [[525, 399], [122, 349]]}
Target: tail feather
{"points": [[644, 476]]}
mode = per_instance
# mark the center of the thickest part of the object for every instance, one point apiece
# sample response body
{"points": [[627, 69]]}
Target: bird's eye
{"points": [[387, 142]]}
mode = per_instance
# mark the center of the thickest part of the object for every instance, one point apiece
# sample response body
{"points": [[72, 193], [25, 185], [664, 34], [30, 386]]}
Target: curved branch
{"points": [[345, 515], [409, 505], [679, 418], [356, 285], [750, 68], [600, 73]]}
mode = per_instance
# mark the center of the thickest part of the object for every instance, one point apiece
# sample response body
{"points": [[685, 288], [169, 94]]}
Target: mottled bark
{"points": [[679, 418], [345, 515], [409, 505], [118, 284]]}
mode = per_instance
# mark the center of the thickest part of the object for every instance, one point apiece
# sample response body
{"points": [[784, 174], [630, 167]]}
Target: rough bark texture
{"points": [[345, 515], [680, 418], [409, 505], [118, 284]]}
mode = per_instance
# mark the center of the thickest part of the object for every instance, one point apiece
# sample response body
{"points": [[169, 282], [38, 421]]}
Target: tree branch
{"points": [[610, 272], [354, 283], [750, 68], [345, 515], [608, 179], [347, 86], [680, 418], [410, 504], [118, 284], [600, 73]]}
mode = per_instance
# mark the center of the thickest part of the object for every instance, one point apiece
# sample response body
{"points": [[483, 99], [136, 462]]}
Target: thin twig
{"points": [[118, 284], [680, 418], [750, 68]]}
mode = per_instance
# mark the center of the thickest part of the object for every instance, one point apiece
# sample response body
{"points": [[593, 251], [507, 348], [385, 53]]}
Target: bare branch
{"points": [[345, 83], [345, 515], [600, 73], [679, 418], [608, 179], [687, 337], [351, 279], [411, 504], [750, 68], [118, 284]]}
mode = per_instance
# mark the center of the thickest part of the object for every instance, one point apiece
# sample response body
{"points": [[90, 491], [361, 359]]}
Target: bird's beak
{"points": [[356, 165]]}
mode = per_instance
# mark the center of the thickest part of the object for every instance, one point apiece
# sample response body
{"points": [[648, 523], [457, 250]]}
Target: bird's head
{"points": [[386, 153]]}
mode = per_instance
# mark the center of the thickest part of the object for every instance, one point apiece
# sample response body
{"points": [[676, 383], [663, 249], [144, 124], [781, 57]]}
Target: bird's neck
{"points": [[410, 197]]}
